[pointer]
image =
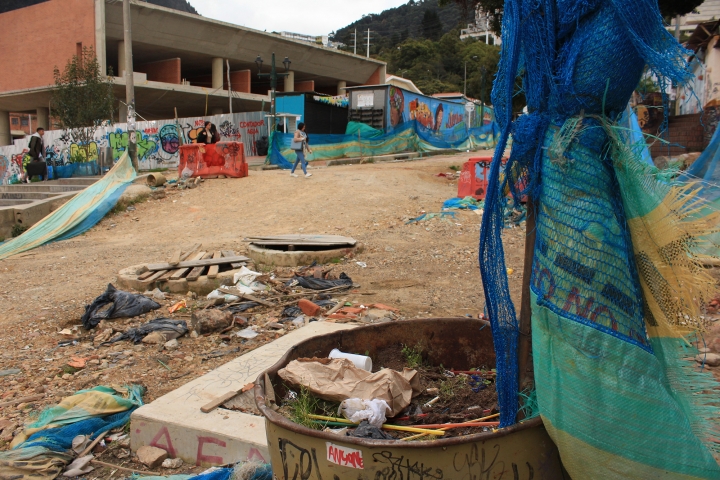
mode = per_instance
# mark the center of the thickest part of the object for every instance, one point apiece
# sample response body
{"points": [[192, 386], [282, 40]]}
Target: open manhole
{"points": [[296, 250]]}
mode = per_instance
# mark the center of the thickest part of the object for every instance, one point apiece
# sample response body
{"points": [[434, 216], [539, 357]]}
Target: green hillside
{"points": [[395, 25]]}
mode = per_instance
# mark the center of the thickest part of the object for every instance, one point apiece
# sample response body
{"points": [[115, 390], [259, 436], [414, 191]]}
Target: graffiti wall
{"points": [[158, 142], [439, 117]]}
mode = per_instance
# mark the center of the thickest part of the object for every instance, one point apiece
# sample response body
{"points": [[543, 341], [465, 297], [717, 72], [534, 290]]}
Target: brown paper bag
{"points": [[340, 379]]}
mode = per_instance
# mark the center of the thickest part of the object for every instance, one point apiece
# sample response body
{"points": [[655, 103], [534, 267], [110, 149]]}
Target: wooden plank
{"points": [[304, 239], [175, 257], [230, 253], [182, 271], [151, 275], [196, 272], [198, 263], [167, 276], [213, 404], [214, 269], [155, 276], [146, 275]]}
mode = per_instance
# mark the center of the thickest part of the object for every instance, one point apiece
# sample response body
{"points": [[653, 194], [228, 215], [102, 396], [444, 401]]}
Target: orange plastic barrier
{"points": [[473, 179], [223, 158]]}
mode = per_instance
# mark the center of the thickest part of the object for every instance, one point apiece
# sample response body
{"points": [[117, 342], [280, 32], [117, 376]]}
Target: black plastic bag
{"points": [[124, 304], [174, 329], [365, 430], [242, 307], [294, 311], [320, 283]]}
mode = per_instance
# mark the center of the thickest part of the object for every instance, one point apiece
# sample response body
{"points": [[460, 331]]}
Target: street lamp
{"points": [[273, 75], [402, 74], [465, 81]]}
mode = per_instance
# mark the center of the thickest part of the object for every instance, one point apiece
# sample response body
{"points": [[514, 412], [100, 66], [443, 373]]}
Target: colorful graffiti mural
{"points": [[158, 142]]}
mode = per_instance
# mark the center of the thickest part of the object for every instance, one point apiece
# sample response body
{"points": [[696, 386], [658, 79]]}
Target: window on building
{"points": [[24, 121], [15, 121]]}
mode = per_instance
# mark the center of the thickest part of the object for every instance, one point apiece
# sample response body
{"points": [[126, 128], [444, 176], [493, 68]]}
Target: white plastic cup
{"points": [[360, 361]]}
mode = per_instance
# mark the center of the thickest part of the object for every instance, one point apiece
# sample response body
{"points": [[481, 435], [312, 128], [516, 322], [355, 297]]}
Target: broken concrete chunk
{"points": [[208, 321], [151, 457], [709, 359]]}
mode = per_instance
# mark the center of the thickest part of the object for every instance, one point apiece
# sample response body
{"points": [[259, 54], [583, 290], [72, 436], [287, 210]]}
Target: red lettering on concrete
{"points": [[168, 447], [255, 455], [213, 460]]}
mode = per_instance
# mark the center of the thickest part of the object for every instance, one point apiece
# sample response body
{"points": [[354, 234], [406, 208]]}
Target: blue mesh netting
{"points": [[577, 58], [60, 439]]}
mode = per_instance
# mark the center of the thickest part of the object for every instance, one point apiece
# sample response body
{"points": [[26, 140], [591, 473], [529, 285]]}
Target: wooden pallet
{"points": [[192, 264]]}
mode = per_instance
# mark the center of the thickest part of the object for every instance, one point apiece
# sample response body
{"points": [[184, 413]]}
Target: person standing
{"points": [[36, 149], [299, 144], [208, 135]]}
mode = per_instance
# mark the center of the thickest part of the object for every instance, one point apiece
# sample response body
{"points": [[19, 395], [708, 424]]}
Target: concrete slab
{"points": [[175, 423]]}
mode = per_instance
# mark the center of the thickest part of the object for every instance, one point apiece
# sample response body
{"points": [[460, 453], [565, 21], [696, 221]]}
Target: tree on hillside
{"points": [[82, 99], [431, 25], [668, 8]]}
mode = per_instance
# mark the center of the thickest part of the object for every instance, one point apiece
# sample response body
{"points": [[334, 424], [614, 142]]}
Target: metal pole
{"points": [[129, 86], [465, 81], [355, 42], [677, 28], [227, 63], [368, 44], [273, 86]]}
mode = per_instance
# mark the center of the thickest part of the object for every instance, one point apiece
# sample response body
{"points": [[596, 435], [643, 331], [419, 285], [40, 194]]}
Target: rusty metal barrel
{"points": [[523, 451]]}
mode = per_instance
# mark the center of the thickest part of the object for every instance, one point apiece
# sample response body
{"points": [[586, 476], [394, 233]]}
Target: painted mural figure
{"points": [[438, 118], [36, 150], [397, 107]]}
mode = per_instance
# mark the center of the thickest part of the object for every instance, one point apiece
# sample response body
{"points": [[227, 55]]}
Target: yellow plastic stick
{"points": [[423, 431], [413, 437]]}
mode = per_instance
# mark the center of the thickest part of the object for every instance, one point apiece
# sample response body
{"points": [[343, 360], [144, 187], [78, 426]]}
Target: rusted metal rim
{"points": [[282, 422]]}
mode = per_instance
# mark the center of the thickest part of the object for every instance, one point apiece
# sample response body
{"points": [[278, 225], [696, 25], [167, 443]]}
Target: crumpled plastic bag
{"points": [[365, 430], [357, 410], [168, 327], [244, 281], [79, 466], [293, 311], [218, 295], [320, 283], [123, 304], [339, 379]]}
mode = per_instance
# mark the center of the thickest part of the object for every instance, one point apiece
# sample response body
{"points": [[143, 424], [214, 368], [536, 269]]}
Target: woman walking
{"points": [[299, 144]]}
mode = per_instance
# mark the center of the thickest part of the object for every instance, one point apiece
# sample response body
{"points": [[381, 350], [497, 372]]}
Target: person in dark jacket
{"points": [[209, 134], [36, 152]]}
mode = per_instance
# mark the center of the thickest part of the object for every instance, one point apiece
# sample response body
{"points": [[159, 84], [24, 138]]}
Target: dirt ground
{"points": [[426, 269]]}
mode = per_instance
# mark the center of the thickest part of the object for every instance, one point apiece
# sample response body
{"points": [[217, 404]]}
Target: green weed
{"points": [[454, 168], [18, 229], [413, 355], [307, 404]]}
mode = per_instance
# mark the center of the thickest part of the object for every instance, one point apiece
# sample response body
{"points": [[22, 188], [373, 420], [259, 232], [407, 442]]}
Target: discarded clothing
{"points": [[468, 203], [320, 283], [41, 450], [124, 304], [429, 216], [169, 327], [99, 402], [242, 307], [294, 311], [365, 430]]}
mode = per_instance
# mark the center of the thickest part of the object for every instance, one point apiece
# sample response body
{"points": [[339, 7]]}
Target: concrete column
{"points": [[383, 74], [217, 73], [216, 111], [43, 118], [5, 137], [122, 113], [100, 35], [290, 82], [341, 87], [121, 60]]}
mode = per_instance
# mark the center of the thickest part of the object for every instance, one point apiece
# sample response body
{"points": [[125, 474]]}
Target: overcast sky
{"points": [[311, 17]]}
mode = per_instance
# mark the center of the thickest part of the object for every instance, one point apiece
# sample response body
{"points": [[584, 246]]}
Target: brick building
{"points": [[180, 60]]}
